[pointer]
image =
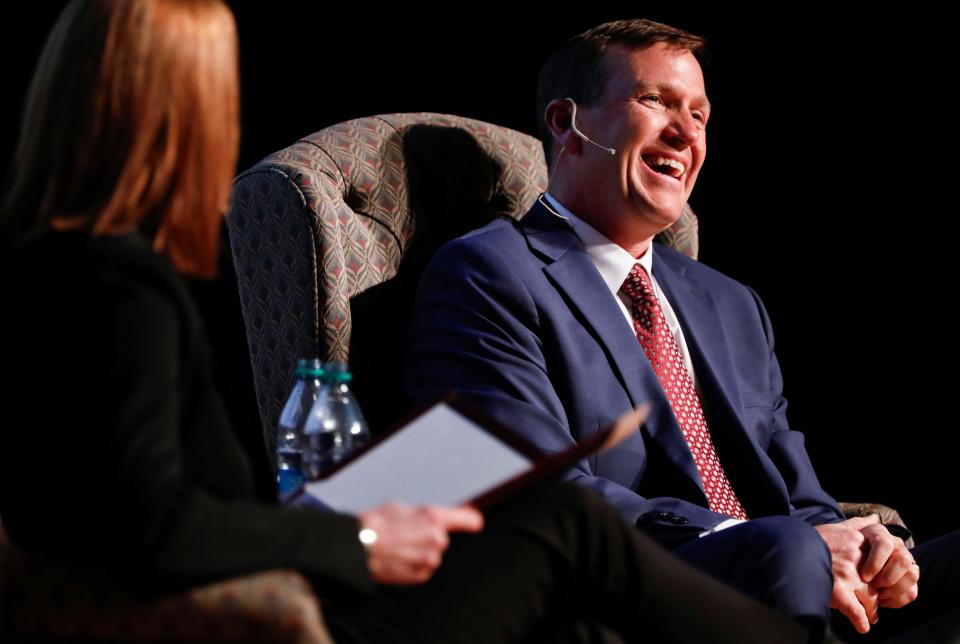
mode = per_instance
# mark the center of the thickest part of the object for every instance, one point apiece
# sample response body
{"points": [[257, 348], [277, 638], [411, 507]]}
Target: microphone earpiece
{"points": [[573, 126]]}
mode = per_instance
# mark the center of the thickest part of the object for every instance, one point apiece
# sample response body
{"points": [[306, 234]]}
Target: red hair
{"points": [[131, 122]]}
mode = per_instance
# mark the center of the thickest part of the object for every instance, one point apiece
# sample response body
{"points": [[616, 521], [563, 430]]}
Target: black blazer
{"points": [[117, 450]]}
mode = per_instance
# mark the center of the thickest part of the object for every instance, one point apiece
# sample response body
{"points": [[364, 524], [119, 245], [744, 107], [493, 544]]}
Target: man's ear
{"points": [[558, 116]]}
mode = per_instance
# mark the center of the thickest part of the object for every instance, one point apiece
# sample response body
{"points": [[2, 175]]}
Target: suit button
{"points": [[675, 519], [651, 517], [667, 517]]}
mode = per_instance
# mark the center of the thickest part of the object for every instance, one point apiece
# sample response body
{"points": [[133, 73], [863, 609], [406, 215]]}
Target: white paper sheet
{"points": [[442, 458]]}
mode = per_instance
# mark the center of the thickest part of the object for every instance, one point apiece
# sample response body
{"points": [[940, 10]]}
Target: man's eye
{"points": [[653, 98]]}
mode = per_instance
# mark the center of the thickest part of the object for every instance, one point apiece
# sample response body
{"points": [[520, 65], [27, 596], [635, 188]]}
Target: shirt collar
{"points": [[613, 262]]}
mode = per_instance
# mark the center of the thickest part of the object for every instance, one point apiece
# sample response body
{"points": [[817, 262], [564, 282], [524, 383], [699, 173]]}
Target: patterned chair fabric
{"points": [[41, 600], [325, 219]]}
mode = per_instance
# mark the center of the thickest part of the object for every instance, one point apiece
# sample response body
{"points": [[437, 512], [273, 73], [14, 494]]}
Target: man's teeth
{"points": [[676, 168]]}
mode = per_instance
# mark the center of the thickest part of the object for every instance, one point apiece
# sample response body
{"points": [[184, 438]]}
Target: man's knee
{"points": [[783, 562], [788, 542], [795, 565]]}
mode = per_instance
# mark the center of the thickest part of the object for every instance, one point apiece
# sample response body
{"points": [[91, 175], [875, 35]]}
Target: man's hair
{"points": [[131, 122], [577, 69]]}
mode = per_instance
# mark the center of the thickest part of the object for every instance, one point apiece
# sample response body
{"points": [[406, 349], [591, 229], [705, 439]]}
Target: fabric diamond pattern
{"points": [[664, 354]]}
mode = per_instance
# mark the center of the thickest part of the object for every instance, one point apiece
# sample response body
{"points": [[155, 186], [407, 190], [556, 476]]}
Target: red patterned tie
{"points": [[664, 355]]}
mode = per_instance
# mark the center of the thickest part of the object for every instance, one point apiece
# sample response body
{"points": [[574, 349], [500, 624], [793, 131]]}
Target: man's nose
{"points": [[683, 130]]}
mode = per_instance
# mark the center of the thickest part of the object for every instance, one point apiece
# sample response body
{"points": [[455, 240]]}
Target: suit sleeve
{"points": [[476, 331], [808, 500]]}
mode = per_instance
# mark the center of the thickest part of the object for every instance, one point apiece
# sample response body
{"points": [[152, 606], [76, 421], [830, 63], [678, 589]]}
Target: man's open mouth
{"points": [[666, 166]]}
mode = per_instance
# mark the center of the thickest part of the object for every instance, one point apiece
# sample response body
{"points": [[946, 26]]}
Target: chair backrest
{"points": [[329, 217]]}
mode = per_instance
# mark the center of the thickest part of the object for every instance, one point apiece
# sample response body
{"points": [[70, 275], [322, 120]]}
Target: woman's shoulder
{"points": [[76, 265], [70, 286]]}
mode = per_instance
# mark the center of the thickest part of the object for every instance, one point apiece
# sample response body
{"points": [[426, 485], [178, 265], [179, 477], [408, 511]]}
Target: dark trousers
{"points": [[549, 563], [781, 561]]}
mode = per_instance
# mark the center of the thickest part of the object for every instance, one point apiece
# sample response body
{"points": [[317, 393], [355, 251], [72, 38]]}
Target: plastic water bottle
{"points": [[308, 387], [335, 427]]}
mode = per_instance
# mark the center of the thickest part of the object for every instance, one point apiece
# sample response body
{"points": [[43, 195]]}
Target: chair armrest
{"points": [[42, 601], [887, 515]]}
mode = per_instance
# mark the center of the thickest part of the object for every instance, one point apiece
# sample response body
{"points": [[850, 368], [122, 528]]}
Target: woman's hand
{"points": [[410, 541]]}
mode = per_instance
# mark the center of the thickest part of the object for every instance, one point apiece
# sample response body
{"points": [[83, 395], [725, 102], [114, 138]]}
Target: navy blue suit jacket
{"points": [[515, 317]]}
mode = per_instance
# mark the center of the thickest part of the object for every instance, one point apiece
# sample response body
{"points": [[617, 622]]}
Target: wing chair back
{"points": [[343, 210]]}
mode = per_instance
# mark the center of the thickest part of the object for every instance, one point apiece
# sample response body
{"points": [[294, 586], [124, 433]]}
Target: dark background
{"points": [[825, 188]]}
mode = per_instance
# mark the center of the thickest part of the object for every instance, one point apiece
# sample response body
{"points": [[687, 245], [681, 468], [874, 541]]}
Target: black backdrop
{"points": [[825, 187]]}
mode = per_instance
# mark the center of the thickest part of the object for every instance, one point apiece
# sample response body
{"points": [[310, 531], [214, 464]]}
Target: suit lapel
{"points": [[703, 330], [706, 339], [573, 273]]}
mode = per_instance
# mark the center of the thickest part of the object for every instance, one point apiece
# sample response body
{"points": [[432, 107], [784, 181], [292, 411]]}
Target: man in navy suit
{"points": [[560, 322]]}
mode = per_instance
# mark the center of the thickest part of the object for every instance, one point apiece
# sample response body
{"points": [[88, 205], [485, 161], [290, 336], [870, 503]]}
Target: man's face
{"points": [[654, 111]]}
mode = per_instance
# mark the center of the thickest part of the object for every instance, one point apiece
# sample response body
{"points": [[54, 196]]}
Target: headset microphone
{"points": [[573, 126]]}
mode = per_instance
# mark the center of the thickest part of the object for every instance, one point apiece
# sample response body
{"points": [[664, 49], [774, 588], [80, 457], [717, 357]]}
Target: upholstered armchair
{"points": [[324, 220]]}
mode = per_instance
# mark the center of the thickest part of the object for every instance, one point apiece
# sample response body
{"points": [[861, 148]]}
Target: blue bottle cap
{"points": [[309, 368]]}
